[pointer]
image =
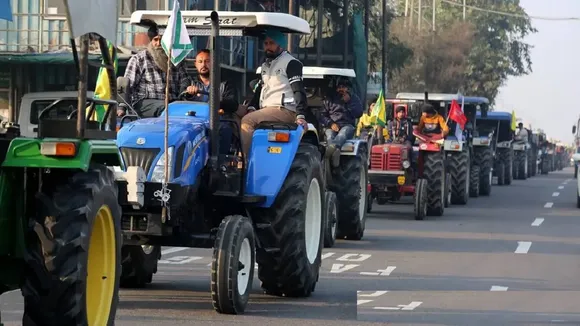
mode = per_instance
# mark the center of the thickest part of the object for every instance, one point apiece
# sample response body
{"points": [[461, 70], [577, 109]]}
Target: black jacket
{"points": [[228, 95]]}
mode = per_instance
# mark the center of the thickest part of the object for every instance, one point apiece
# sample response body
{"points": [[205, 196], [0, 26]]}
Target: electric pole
{"points": [[419, 16], [434, 4], [464, 9], [385, 47]]}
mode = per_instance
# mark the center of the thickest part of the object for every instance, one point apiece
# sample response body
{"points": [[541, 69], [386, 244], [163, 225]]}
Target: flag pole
{"points": [[166, 136]]}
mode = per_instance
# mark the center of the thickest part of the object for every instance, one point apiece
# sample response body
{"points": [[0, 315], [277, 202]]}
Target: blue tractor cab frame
{"points": [[267, 208]]}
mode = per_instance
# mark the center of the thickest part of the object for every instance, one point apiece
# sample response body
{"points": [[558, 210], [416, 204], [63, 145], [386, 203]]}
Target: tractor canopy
{"points": [[497, 122]]}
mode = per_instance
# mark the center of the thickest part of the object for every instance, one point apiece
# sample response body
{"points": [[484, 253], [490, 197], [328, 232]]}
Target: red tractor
{"points": [[393, 174]]}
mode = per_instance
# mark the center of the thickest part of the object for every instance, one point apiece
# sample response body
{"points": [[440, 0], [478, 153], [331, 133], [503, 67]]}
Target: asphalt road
{"points": [[509, 259]]}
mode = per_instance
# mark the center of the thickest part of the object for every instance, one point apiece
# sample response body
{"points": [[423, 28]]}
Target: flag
{"points": [[103, 88], [514, 126], [380, 110], [176, 39], [456, 114], [5, 10]]}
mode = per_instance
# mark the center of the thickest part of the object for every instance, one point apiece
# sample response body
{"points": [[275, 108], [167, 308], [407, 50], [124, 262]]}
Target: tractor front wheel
{"points": [[459, 169], [484, 157], [139, 264], [73, 253], [351, 192], [474, 183], [421, 199], [331, 219]]}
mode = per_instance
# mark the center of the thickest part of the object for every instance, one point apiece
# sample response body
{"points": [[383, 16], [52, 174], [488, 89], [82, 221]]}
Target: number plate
{"points": [[401, 180], [274, 150]]}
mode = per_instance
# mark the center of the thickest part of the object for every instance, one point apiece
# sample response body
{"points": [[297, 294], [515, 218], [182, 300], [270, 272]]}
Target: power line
{"points": [[512, 14]]}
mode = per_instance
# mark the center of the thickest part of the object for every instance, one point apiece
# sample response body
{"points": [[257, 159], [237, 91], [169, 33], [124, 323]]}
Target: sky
{"points": [[548, 97]]}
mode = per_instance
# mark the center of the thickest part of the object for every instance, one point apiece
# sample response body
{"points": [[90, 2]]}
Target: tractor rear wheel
{"points": [[420, 199], [331, 219], [139, 264], [522, 165], [459, 169], [351, 193], [506, 156], [73, 253], [292, 229], [434, 173], [500, 173], [484, 158], [474, 181]]}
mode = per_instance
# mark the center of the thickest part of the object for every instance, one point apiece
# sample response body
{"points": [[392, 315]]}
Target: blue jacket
{"points": [[335, 110]]}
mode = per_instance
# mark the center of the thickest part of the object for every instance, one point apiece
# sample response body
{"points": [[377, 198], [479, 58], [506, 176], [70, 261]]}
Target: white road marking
{"points": [[537, 222], [179, 260], [410, 306], [359, 302], [499, 288], [560, 187], [354, 257], [339, 268], [549, 205], [381, 272], [556, 194], [523, 247], [372, 295], [172, 250], [326, 255]]}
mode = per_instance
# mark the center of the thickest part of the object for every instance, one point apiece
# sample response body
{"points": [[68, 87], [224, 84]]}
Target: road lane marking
{"points": [[408, 307], [354, 257], [549, 205], [359, 302], [179, 260], [561, 187], [172, 250], [538, 222], [381, 272], [556, 194], [372, 295], [326, 255], [340, 268], [498, 288], [523, 247]]}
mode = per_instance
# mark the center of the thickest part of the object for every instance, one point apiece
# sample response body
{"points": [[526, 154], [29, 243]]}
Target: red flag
{"points": [[456, 114]]}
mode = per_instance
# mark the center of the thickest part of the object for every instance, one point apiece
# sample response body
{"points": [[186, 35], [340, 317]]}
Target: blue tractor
{"points": [[495, 129], [267, 207]]}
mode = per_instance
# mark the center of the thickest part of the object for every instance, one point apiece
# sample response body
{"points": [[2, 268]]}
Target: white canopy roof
{"points": [[86, 16], [319, 72], [228, 20]]}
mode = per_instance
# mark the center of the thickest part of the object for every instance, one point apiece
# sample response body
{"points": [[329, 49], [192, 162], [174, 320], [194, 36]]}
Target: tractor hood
{"points": [[150, 132]]}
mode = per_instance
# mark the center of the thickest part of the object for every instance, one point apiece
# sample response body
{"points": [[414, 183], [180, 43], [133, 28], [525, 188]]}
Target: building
{"points": [[35, 50]]}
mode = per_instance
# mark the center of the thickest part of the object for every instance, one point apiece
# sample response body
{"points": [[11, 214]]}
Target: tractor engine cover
{"points": [[388, 157]]}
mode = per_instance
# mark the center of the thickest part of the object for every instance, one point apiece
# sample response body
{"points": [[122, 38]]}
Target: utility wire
{"points": [[512, 14]]}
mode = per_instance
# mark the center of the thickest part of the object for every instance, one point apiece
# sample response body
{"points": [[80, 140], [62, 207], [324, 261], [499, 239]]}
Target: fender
{"points": [[270, 161]]}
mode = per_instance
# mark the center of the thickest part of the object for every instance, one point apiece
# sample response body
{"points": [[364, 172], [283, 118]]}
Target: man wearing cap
{"points": [[146, 72], [340, 109], [280, 95]]}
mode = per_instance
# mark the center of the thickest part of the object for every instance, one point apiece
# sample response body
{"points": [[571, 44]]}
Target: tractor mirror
{"points": [[573, 129]]}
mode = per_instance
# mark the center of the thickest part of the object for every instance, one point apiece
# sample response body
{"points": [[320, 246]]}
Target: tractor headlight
{"points": [[406, 164], [159, 169]]}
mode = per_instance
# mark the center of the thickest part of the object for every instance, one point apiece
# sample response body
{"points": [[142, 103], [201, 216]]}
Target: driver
{"points": [[281, 93], [521, 133], [146, 73], [432, 122], [400, 128], [228, 97]]}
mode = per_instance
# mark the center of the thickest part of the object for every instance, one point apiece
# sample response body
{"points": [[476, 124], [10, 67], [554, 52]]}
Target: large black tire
{"points": [[420, 199], [534, 163], [351, 192], [232, 266], [434, 174], [545, 166], [331, 219], [530, 163], [474, 181], [370, 201], [139, 265], [500, 174], [521, 164], [447, 194], [577, 198], [506, 156], [575, 171], [73, 253], [484, 158], [458, 165], [284, 266]]}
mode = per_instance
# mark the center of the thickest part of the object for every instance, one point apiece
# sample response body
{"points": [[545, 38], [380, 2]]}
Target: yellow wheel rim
{"points": [[101, 268]]}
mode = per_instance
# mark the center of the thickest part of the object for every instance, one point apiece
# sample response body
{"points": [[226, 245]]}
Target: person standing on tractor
{"points": [[340, 109], [146, 72], [521, 133], [228, 97], [432, 123], [280, 95]]}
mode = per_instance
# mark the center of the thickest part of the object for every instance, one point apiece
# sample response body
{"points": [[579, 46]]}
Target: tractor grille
{"points": [[393, 161], [142, 157], [377, 161]]}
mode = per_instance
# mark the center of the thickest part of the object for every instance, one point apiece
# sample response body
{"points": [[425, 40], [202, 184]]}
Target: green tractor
{"points": [[60, 232]]}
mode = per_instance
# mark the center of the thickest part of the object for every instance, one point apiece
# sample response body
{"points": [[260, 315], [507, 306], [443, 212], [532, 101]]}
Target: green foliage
{"points": [[476, 56]]}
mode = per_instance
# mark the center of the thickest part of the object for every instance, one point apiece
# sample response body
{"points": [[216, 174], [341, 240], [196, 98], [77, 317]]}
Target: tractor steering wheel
{"points": [[53, 106], [184, 95]]}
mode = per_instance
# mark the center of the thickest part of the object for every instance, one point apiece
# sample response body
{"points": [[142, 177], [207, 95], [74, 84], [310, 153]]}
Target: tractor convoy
{"points": [[87, 206]]}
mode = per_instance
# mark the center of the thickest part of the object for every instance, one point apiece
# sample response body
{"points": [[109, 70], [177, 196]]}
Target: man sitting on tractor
{"points": [[280, 95], [146, 72], [340, 109], [521, 133], [366, 122], [400, 129], [432, 123]]}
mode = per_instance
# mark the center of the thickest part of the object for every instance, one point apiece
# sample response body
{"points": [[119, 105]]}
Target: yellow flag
{"points": [[103, 88], [514, 126]]}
